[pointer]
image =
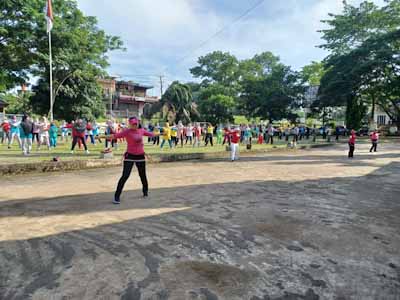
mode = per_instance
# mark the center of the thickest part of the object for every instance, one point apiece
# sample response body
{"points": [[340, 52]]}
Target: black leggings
{"points": [[112, 142], [351, 150], [227, 139], [374, 146], [128, 165], [35, 135], [75, 140], [209, 138], [181, 137]]}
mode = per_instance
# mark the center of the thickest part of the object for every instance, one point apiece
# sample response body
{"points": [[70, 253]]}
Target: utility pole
{"points": [[51, 79], [161, 85], [49, 18], [111, 103]]}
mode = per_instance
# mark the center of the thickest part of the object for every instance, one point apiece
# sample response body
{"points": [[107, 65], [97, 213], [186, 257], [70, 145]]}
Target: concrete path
{"points": [[304, 225]]}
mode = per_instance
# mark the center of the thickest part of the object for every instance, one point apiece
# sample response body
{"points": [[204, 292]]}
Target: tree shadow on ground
{"points": [[327, 237], [295, 158]]}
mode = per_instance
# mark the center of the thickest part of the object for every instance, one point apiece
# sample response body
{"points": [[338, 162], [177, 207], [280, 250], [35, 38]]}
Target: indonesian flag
{"points": [[49, 16]]}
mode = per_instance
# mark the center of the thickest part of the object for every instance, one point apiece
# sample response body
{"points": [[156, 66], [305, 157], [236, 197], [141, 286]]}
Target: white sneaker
{"points": [[87, 152], [72, 152]]}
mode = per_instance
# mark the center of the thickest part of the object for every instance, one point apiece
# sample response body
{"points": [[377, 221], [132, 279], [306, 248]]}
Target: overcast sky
{"points": [[158, 34]]}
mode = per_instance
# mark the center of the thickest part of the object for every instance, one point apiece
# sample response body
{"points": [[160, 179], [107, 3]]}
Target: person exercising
{"points": [[134, 155]]}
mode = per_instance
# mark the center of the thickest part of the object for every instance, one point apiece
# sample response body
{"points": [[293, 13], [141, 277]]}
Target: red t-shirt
{"points": [[352, 139], [6, 127], [197, 131], [235, 137], [75, 132]]}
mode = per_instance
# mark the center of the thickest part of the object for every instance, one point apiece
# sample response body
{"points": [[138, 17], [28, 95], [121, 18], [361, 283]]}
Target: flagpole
{"points": [[51, 78]]}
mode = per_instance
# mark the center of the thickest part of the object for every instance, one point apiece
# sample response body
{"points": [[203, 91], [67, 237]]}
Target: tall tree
{"points": [[18, 103], [176, 104], [17, 40], [363, 67], [79, 47], [80, 96], [195, 89], [273, 95], [217, 67], [217, 109], [357, 24], [379, 73], [312, 73], [367, 76], [79, 50]]}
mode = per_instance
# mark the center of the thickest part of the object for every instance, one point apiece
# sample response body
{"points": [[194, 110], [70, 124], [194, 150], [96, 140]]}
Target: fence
{"points": [[4, 116]]}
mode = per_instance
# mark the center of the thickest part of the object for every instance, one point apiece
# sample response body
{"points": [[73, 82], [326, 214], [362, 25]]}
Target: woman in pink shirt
{"points": [[374, 140], [133, 155], [352, 143]]}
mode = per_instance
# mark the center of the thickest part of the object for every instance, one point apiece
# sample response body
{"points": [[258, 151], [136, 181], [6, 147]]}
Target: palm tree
{"points": [[176, 104]]}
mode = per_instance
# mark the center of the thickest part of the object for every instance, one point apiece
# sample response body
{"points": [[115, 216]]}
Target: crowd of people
{"points": [[40, 131], [44, 133], [197, 133]]}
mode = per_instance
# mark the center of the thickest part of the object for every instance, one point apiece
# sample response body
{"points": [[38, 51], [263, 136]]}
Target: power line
{"points": [[220, 31], [244, 14]]}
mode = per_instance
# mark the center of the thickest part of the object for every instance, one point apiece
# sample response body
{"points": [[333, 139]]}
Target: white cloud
{"points": [[159, 33]]}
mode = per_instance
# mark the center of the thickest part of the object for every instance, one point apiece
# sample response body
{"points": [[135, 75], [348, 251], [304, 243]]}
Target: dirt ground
{"points": [[303, 225]]}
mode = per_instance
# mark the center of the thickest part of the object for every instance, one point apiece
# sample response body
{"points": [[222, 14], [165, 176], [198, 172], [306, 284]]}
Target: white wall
{"points": [[381, 118]]}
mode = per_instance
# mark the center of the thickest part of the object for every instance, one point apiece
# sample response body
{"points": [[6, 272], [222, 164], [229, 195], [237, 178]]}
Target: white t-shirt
{"points": [[189, 131], [44, 129]]}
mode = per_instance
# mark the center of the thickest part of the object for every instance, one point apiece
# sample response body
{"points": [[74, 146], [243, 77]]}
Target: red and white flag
{"points": [[49, 16]]}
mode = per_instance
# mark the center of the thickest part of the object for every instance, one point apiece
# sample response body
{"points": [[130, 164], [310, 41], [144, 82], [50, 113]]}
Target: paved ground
{"points": [[307, 225]]}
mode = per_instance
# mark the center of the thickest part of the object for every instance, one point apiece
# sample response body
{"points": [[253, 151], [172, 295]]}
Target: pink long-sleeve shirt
{"points": [[134, 138]]}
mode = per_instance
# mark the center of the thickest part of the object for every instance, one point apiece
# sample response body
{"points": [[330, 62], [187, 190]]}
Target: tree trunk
{"points": [[354, 113], [373, 108]]}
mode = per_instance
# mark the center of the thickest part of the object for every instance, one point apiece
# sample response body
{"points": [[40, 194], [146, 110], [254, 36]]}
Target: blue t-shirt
{"points": [[15, 128], [95, 130]]}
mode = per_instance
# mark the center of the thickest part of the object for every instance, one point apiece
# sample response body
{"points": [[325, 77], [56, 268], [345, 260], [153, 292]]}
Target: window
{"points": [[381, 120]]}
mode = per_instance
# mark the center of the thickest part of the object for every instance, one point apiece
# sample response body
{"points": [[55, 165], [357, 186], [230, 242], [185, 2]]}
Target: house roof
{"points": [[147, 87]]}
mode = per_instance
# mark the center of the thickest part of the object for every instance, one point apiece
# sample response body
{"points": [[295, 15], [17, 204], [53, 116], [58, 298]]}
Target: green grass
{"points": [[14, 155]]}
